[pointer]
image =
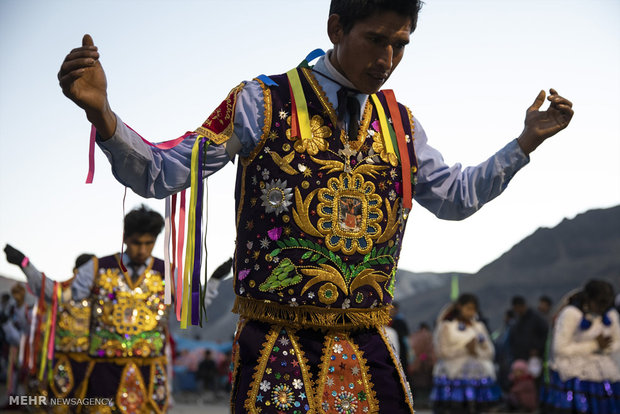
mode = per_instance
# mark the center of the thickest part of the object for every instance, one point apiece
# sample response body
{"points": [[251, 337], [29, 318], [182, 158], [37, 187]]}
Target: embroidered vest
{"points": [[128, 318], [319, 218], [73, 323]]}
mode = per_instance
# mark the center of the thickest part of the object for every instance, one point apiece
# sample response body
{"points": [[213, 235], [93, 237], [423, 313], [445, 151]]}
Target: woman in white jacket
{"points": [[464, 375], [585, 377]]}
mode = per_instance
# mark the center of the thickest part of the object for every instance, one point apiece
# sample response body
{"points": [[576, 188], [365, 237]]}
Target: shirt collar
{"points": [[323, 65]]}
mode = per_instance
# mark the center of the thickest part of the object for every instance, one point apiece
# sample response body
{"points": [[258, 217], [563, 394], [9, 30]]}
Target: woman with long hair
{"points": [[464, 375], [584, 376]]}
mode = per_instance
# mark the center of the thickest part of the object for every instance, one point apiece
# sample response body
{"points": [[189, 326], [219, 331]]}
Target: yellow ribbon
{"points": [[385, 129], [46, 339], [300, 102], [191, 237]]}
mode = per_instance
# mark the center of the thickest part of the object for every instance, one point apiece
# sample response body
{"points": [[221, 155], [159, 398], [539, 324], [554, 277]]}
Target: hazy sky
{"points": [[471, 71]]}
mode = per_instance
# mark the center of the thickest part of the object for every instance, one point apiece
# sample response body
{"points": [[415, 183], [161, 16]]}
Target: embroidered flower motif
{"points": [[328, 293], [154, 283], [264, 243], [316, 142], [311, 295], [379, 147], [265, 386], [338, 348], [243, 274], [355, 371], [275, 233], [282, 396], [283, 114], [392, 195], [265, 174], [109, 279], [330, 382], [393, 173], [284, 341], [267, 150], [297, 384], [276, 197], [346, 403], [346, 304]]}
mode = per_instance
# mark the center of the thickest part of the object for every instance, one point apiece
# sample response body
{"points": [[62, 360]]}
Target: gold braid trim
{"points": [[257, 377], [311, 316], [268, 112], [401, 373]]}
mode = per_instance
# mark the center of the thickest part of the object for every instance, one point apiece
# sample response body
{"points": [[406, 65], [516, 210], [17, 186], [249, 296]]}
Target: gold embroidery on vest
{"points": [[314, 143], [350, 214]]}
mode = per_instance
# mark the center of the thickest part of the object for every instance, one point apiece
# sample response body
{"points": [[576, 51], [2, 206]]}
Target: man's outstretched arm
{"points": [[83, 80]]}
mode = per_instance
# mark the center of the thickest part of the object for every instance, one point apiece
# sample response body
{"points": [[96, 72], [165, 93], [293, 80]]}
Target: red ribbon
{"points": [[179, 300], [402, 146]]}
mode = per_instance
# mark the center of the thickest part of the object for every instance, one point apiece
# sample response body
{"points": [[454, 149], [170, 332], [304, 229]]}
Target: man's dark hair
{"points": [[518, 301], [546, 299], [83, 258], [143, 220], [599, 291], [352, 11]]}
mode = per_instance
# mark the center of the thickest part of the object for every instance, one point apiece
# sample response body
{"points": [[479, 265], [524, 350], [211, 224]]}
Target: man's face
{"points": [[139, 247], [370, 52]]}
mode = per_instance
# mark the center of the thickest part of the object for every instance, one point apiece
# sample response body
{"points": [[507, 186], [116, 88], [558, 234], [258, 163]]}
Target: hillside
{"points": [[550, 261]]}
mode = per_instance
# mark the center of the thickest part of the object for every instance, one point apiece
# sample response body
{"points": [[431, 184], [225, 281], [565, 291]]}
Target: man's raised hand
{"points": [[83, 80], [540, 125]]}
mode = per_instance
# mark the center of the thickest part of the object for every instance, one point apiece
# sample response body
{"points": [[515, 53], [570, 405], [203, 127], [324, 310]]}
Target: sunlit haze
{"points": [[469, 74]]}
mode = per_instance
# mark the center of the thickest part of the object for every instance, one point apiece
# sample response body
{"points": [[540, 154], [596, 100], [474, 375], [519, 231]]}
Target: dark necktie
{"points": [[135, 267], [348, 104]]}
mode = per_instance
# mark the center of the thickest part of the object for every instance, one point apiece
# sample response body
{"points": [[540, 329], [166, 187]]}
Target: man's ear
{"points": [[335, 31]]}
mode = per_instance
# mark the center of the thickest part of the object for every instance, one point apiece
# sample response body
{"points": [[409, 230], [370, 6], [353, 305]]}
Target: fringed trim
{"points": [[82, 357], [311, 316]]}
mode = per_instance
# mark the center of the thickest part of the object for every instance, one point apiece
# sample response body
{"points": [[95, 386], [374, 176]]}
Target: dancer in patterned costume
{"points": [[324, 188], [584, 375], [111, 328], [71, 332]]}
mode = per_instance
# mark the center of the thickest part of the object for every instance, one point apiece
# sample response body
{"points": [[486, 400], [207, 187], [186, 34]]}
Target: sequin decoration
{"points": [[158, 389], [131, 395], [62, 377], [281, 378], [344, 384]]}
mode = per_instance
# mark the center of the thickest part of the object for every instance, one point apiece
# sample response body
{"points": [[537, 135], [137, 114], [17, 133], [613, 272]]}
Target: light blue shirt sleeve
{"points": [[83, 282], [153, 172], [34, 277], [454, 193]]}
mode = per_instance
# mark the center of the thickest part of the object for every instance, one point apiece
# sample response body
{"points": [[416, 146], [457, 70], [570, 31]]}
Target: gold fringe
{"points": [[311, 316], [81, 357]]}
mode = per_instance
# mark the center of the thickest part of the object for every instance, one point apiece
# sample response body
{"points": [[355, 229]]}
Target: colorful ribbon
{"points": [[93, 139], [402, 146], [300, 107], [385, 129], [179, 285], [167, 278], [191, 240]]}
